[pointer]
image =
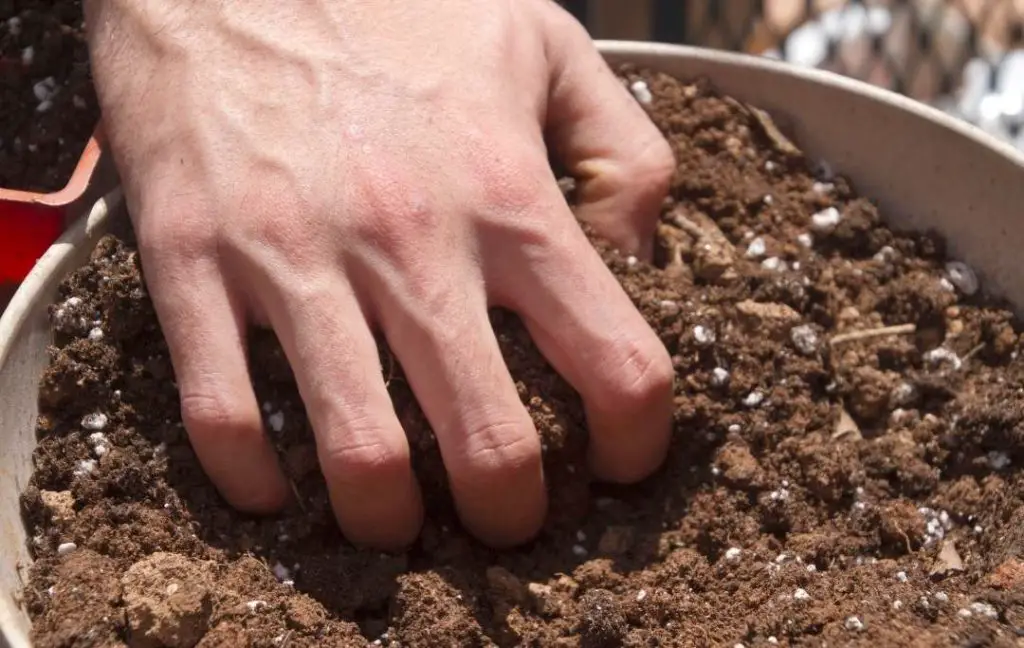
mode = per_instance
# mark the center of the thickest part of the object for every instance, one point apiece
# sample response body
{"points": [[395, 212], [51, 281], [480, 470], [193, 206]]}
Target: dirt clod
{"points": [[168, 601]]}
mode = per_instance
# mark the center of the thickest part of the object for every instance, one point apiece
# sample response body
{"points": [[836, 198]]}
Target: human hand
{"points": [[330, 168]]}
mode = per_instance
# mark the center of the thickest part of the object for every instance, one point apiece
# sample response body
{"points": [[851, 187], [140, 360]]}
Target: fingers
{"points": [[622, 164], [205, 334], [589, 330], [490, 447], [362, 448]]}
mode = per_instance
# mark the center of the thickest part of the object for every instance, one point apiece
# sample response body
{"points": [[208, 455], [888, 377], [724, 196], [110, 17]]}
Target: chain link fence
{"points": [[965, 57]]}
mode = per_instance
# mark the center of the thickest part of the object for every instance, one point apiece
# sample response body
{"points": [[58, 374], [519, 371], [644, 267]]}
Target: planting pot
{"points": [[925, 170], [31, 222]]}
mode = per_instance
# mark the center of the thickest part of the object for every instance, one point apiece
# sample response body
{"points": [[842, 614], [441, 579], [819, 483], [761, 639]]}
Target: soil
{"points": [[48, 107], [845, 467]]}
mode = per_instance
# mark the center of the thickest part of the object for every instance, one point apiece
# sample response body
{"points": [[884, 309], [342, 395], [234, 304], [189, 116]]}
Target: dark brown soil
{"points": [[43, 50], [820, 490]]}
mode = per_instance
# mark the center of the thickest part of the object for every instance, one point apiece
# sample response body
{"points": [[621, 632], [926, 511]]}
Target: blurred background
{"points": [[965, 57]]}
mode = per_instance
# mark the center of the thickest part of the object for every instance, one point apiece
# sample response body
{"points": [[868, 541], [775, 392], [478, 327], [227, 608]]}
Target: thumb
{"points": [[622, 164]]}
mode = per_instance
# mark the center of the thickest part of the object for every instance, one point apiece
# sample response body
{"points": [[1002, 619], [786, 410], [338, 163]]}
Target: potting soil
{"points": [[48, 107], [845, 469]]}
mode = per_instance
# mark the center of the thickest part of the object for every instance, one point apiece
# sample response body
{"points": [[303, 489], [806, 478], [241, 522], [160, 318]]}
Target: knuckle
{"points": [[393, 216], [362, 451], [636, 375], [510, 184], [652, 165], [208, 413], [188, 237], [495, 449]]}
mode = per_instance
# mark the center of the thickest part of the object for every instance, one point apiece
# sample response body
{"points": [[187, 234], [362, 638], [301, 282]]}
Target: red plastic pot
{"points": [[30, 222]]}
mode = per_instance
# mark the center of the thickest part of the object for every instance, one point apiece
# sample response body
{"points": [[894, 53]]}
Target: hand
{"points": [[330, 168]]}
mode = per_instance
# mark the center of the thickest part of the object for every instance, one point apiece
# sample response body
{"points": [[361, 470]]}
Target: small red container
{"points": [[30, 222]]}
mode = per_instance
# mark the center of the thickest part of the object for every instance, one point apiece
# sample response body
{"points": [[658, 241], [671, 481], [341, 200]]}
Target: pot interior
{"points": [[925, 170]]}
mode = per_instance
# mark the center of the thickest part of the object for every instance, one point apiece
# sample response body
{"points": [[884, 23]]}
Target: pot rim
{"points": [[627, 49], [77, 184]]}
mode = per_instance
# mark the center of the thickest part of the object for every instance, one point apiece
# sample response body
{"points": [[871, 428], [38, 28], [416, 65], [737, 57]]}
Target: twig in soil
{"points": [[970, 354], [298, 497], [884, 331], [391, 369], [287, 640], [906, 538]]}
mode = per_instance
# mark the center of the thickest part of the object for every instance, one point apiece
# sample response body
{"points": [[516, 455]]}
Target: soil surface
{"points": [[845, 468], [48, 107]]}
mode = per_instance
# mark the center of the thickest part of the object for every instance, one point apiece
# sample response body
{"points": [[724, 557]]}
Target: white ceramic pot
{"points": [[924, 169]]}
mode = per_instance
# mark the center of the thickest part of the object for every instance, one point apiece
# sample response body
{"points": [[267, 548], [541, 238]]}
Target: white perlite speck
{"points": [[754, 398], [733, 553], [756, 248], [85, 467], [579, 551], [641, 92], [984, 609], [281, 572], [941, 597], [255, 606], [631, 261], [940, 355], [775, 264], [734, 428], [998, 459], [276, 421], [937, 523], [46, 89], [805, 239], [641, 595], [901, 576], [719, 377], [96, 421], [65, 548], [822, 187], [801, 595], [779, 495], [825, 220], [770, 166], [99, 443], [804, 338], [885, 255], [897, 604], [961, 276], [768, 200], [853, 624], [96, 334], [903, 394], [703, 335]]}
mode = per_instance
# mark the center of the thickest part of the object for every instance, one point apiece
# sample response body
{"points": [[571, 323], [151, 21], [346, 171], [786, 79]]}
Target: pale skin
{"points": [[336, 168]]}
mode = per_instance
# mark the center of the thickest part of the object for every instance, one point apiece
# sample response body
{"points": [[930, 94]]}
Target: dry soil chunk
{"points": [[82, 604], [168, 601], [770, 319], [60, 504], [430, 612], [603, 624]]}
